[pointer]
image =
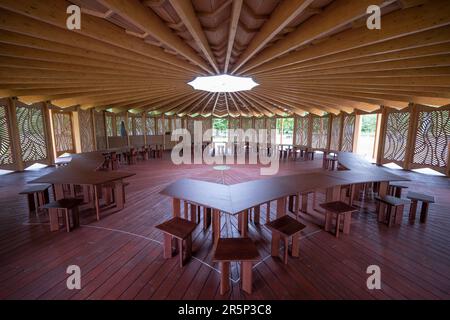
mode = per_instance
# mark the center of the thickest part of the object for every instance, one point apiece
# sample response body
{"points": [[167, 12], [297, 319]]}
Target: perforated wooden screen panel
{"points": [[396, 136], [6, 156], [335, 133], [301, 131], [432, 138], [86, 130], [100, 130], [348, 133], [30, 122], [320, 132], [62, 129], [150, 126]]}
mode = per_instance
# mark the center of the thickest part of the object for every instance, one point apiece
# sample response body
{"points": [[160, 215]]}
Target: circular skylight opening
{"points": [[223, 83]]}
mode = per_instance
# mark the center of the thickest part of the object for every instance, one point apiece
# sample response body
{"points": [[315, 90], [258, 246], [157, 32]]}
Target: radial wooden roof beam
{"points": [[235, 14], [335, 16], [283, 15], [186, 12], [143, 17]]}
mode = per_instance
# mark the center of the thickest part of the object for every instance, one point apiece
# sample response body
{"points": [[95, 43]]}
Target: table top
{"points": [[82, 170], [286, 225], [35, 188], [235, 198]]}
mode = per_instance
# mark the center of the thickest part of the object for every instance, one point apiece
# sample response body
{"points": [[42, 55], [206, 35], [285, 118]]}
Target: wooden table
{"points": [[82, 171]]}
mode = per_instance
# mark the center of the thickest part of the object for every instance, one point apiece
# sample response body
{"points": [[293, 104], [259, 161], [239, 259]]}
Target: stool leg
{"points": [[224, 277], [187, 250], [67, 219], [295, 250], [167, 246], [399, 214], [286, 249], [53, 217], [328, 219], [275, 244], [424, 212], [246, 278], [390, 215], [76, 217], [347, 222], [412, 210], [31, 203], [338, 225]]}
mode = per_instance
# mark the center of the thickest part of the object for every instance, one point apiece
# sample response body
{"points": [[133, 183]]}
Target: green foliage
{"points": [[369, 123]]}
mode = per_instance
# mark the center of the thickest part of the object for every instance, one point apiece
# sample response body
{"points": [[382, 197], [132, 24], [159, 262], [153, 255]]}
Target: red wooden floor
{"points": [[121, 256]]}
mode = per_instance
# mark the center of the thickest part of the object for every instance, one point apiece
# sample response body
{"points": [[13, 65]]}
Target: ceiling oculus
{"points": [[223, 83]]}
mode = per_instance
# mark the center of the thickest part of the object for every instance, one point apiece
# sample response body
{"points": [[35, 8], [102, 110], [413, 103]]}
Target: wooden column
{"points": [[330, 128], [106, 128], [144, 127], [382, 135], [48, 134], [341, 131], [94, 135], [129, 130], [356, 130], [310, 130], [294, 140], [411, 142]]}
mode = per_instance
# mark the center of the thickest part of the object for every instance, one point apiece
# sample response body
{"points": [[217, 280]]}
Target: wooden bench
{"points": [[340, 210], [395, 190], [242, 250], [181, 230], [425, 199], [285, 228], [394, 211], [37, 196], [69, 205]]}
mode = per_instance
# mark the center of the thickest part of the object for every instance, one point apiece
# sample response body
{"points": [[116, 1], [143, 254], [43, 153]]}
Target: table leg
{"points": [[383, 191], [58, 191], [246, 278], [333, 194], [305, 203], [412, 210], [224, 277], [244, 223], [257, 213], [206, 217], [216, 225], [399, 214], [186, 210], [297, 205], [267, 212], [118, 194], [31, 203], [424, 212], [96, 202], [295, 249]]}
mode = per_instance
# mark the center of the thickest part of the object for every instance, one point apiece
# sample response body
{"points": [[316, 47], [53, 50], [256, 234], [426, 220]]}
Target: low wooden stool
{"points": [[285, 228], [330, 163], [309, 154], [65, 205], [425, 199], [395, 190], [180, 229], [394, 210], [341, 210], [242, 250], [37, 196]]}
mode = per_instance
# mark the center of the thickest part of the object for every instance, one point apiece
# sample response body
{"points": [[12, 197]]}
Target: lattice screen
{"points": [[348, 133], [138, 128], [100, 129], [109, 125], [432, 138], [234, 123], [247, 123], [396, 136], [301, 131], [335, 132], [320, 132], [150, 126], [62, 128], [260, 123], [86, 130], [6, 156], [271, 124], [30, 121]]}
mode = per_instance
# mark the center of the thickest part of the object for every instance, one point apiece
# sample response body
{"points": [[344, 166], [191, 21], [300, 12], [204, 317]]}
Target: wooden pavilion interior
{"points": [[93, 91]]}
